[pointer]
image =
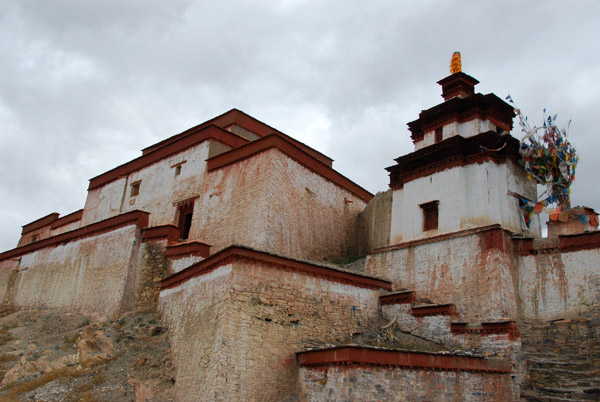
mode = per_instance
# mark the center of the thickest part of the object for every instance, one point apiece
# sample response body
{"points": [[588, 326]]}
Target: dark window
{"points": [[177, 170], [439, 134], [430, 215], [135, 188], [185, 219]]}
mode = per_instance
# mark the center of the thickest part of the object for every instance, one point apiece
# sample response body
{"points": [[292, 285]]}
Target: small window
{"points": [[135, 188], [430, 215], [186, 212], [177, 168], [439, 134], [34, 238]]}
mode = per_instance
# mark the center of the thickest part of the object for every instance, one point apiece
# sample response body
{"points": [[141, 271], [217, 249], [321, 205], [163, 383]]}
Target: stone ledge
{"points": [[190, 248], [496, 232], [487, 328], [406, 297], [360, 356], [434, 309], [168, 232]]}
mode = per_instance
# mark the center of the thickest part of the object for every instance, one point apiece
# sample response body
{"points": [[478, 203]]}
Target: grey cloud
{"points": [[86, 85]]}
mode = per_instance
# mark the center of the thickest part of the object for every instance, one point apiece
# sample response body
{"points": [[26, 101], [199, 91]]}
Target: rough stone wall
{"points": [[562, 358], [469, 271], [273, 203], [9, 271], [92, 274], [363, 383], [556, 285], [196, 312], [309, 216], [154, 267], [236, 329], [374, 223]]}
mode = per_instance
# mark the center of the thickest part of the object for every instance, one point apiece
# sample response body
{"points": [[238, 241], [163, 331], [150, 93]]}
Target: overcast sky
{"points": [[85, 85]]}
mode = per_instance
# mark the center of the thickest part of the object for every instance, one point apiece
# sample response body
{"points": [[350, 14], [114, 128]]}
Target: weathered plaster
{"points": [[469, 196]]}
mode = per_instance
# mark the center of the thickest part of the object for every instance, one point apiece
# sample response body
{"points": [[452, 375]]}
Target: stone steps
{"points": [[572, 365], [438, 323], [562, 361], [560, 394]]}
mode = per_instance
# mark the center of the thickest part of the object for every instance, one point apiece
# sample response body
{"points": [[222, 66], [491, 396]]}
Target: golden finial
{"points": [[455, 63]]}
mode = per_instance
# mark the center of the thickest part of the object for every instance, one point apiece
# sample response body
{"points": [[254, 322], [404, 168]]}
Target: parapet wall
{"points": [[490, 275], [559, 277], [364, 383], [91, 269]]}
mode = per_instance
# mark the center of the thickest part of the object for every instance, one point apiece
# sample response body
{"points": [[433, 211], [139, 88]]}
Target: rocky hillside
{"points": [[60, 356]]}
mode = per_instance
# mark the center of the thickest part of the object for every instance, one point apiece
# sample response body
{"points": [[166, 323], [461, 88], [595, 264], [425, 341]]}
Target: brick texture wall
{"points": [[339, 383], [271, 202], [236, 329]]}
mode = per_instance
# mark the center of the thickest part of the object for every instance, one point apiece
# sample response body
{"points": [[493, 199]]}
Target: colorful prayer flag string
{"points": [[548, 157]]}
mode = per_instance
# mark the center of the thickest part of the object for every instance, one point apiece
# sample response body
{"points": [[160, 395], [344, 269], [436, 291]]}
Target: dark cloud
{"points": [[86, 85]]}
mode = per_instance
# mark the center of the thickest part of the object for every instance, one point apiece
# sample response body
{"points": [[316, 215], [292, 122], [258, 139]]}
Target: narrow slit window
{"points": [[430, 215], [135, 188], [439, 134], [186, 212], [177, 168]]}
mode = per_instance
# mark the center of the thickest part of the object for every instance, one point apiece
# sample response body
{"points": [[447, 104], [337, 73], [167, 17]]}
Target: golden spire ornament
{"points": [[455, 63]]}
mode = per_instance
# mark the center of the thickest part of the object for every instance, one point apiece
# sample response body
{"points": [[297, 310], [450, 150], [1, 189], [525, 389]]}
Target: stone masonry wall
{"points": [[364, 383], [154, 267], [271, 202], [195, 312], [309, 216], [474, 271], [562, 358], [237, 328], [92, 274], [233, 205], [9, 272], [374, 223]]}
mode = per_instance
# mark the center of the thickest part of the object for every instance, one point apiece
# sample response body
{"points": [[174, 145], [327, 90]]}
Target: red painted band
{"points": [[348, 355]]}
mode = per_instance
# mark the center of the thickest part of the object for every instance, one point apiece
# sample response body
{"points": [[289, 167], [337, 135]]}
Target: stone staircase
{"points": [[440, 323], [417, 350], [562, 360]]}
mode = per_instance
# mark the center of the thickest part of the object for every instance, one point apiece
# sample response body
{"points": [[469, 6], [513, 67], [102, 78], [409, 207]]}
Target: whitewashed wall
{"points": [[469, 196], [159, 188], [466, 129]]}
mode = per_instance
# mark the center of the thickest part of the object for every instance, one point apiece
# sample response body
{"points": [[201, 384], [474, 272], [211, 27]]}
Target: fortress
{"points": [[281, 279]]}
